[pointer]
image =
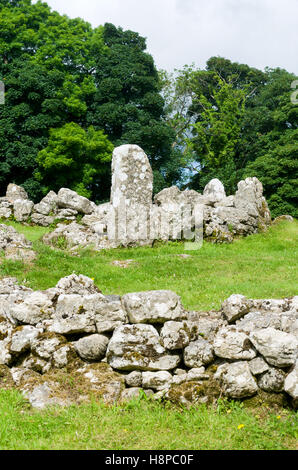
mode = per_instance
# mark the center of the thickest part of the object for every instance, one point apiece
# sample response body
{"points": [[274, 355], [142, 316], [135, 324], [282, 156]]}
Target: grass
{"points": [[259, 266], [143, 425]]}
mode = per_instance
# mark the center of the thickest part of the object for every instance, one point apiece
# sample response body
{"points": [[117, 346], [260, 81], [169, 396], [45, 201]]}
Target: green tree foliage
{"points": [[217, 130], [127, 103], [59, 70], [271, 142], [74, 158], [238, 121]]}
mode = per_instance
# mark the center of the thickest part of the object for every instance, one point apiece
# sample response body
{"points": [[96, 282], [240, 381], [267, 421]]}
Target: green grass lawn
{"points": [[259, 266], [144, 425]]}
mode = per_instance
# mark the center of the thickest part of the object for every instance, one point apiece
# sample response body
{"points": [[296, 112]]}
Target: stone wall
{"points": [[133, 218], [71, 342]]}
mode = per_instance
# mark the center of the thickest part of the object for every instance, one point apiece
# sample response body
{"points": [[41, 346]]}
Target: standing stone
{"points": [[132, 179], [131, 196]]}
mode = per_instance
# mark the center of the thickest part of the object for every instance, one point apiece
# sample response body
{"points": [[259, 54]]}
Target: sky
{"points": [[260, 33]]}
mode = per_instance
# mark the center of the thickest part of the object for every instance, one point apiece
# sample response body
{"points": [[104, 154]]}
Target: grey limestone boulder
{"points": [[230, 343], [278, 348], [236, 380], [15, 192], [138, 347], [69, 199], [214, 191], [92, 348], [153, 306], [198, 353]]}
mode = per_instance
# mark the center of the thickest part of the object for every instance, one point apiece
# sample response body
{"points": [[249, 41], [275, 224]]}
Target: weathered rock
{"points": [[249, 197], [92, 348], [77, 284], [132, 177], [272, 380], [230, 343], [226, 202], [258, 366], [134, 379], [205, 325], [66, 214], [291, 382], [48, 205], [43, 220], [156, 380], [33, 309], [102, 380], [46, 344], [75, 314], [69, 199], [236, 380], [198, 353], [138, 347], [153, 307], [131, 196], [269, 305], [36, 364], [109, 314], [62, 357], [5, 208], [174, 335], [197, 373], [22, 209], [278, 348], [5, 356], [41, 396], [15, 245], [235, 307], [214, 191], [74, 236], [15, 192], [22, 338], [100, 215], [134, 393], [257, 320]]}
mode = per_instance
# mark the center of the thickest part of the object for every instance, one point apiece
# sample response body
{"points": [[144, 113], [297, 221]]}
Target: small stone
{"points": [[157, 380], [198, 353], [92, 348], [258, 366], [134, 379]]}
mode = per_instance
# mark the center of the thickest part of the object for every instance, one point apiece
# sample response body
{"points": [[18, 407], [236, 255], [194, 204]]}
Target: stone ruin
{"points": [[71, 343], [134, 218]]}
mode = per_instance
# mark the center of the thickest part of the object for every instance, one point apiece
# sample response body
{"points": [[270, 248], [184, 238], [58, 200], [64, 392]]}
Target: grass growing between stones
{"points": [[258, 266], [144, 425]]}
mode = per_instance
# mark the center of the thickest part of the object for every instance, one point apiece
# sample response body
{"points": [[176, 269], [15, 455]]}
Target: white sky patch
{"points": [[259, 33]]}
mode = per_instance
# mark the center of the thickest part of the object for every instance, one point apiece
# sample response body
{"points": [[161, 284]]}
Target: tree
{"points": [[127, 104], [217, 131], [271, 142], [47, 63], [74, 158]]}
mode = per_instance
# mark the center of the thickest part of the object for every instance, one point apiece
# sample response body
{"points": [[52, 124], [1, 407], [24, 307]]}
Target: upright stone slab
{"points": [[132, 177], [131, 196]]}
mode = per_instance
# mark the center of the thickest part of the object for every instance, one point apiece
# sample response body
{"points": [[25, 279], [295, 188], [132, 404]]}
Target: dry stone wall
{"points": [[133, 218], [71, 342]]}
